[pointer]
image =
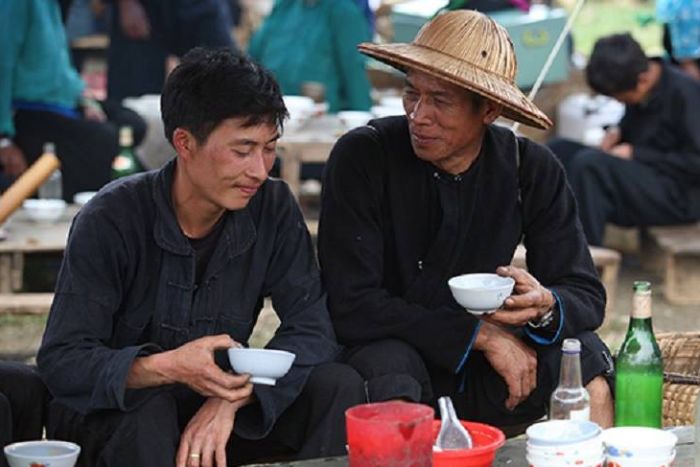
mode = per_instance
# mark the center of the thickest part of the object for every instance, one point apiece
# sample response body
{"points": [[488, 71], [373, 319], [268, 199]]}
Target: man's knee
{"points": [[392, 369], [338, 381]]}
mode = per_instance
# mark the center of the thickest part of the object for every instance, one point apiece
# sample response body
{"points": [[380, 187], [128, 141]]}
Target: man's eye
{"points": [[241, 153]]}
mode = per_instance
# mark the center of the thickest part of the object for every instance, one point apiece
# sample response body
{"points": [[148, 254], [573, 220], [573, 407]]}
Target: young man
{"points": [[647, 170], [165, 268], [411, 201]]}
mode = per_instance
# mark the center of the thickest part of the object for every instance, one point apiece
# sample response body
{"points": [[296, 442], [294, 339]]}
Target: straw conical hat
{"points": [[471, 50]]}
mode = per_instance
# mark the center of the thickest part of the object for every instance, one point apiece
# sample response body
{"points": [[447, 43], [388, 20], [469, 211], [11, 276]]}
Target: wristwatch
{"points": [[545, 320]]}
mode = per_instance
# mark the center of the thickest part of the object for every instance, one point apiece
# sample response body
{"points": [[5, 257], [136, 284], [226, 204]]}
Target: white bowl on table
{"points": [[354, 118], [639, 446], [265, 366], [49, 453], [44, 210], [83, 197], [300, 109], [481, 293]]}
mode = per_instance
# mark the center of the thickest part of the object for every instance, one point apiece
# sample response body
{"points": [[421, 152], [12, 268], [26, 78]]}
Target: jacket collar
{"points": [[238, 233]]}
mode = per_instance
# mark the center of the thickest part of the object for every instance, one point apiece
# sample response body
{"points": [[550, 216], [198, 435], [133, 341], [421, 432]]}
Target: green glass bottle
{"points": [[125, 163], [639, 367]]}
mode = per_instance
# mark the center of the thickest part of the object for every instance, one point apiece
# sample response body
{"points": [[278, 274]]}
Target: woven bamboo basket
{"points": [[681, 354]]}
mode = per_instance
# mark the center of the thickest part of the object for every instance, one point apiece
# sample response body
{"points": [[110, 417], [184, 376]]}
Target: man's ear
{"points": [[184, 143], [492, 110]]}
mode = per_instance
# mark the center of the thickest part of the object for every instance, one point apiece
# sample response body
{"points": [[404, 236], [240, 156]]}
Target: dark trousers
{"points": [[86, 148], [313, 426], [137, 67], [22, 401], [395, 370], [619, 191]]}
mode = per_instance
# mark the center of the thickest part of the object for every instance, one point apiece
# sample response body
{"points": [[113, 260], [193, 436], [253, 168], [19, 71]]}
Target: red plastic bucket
{"points": [[487, 439], [390, 434]]}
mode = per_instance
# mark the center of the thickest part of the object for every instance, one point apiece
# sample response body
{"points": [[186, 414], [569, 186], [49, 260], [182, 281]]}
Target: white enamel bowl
{"points": [[265, 366], [481, 293]]}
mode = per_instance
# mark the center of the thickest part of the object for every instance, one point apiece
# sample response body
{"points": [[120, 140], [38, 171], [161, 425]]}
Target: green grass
{"points": [[600, 18]]}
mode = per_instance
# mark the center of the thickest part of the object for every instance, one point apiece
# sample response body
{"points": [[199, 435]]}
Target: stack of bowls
{"points": [[634, 446], [558, 443]]}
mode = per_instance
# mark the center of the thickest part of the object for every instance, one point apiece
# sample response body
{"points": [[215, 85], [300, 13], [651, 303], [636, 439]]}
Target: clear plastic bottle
{"points": [[52, 188], [570, 400]]}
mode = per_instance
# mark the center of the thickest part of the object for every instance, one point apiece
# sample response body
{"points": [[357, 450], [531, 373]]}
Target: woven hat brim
{"points": [[516, 106]]}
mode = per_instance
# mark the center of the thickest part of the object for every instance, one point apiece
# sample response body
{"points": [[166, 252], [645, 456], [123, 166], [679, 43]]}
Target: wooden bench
{"points": [[675, 252], [25, 303]]}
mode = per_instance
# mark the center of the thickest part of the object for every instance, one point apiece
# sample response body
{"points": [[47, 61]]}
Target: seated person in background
{"points": [[302, 41], [647, 170], [42, 99], [410, 201], [143, 33], [22, 401], [164, 268]]}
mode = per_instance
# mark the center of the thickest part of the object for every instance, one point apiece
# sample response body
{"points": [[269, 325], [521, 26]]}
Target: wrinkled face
{"points": [[227, 169], [445, 123]]}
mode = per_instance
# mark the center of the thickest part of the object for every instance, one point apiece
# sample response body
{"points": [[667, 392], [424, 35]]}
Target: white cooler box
{"points": [[582, 118]]}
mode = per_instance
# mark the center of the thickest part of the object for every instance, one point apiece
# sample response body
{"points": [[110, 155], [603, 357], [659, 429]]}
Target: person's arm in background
{"points": [[14, 21], [349, 28], [682, 163]]}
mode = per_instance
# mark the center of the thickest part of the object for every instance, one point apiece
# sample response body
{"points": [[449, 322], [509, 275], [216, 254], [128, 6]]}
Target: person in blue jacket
{"points": [[316, 41]]}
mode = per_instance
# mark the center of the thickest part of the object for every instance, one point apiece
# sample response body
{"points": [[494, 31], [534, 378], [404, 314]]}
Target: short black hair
{"points": [[210, 86], [615, 64]]}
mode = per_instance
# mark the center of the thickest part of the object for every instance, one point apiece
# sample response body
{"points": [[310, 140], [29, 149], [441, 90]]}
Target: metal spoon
{"points": [[452, 434]]}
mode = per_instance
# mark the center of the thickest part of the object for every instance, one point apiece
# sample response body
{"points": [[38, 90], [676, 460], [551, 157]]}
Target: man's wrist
{"points": [[548, 317]]}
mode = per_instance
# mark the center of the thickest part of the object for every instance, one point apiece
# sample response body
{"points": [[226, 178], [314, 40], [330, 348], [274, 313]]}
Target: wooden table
{"points": [[310, 143], [512, 454], [24, 236]]}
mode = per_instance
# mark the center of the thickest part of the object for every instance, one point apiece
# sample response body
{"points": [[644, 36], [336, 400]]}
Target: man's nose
{"points": [[257, 168], [419, 112]]}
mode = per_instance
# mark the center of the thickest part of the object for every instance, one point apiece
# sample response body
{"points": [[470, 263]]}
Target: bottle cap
{"points": [[571, 346], [641, 286], [49, 148]]}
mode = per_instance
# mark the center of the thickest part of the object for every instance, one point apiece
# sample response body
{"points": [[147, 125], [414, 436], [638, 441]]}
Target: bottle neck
{"points": [[570, 371], [641, 305]]}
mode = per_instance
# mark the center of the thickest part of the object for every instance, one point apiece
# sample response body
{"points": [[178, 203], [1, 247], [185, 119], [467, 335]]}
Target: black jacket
{"points": [[394, 229], [127, 288]]}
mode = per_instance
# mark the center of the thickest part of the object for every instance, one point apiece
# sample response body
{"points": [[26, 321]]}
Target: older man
{"points": [[410, 201]]}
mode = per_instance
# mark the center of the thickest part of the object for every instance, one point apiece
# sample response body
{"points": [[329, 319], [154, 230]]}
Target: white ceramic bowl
{"points": [[265, 366], [48, 453], [83, 197], [481, 293], [637, 441], [354, 118], [44, 210], [561, 432]]}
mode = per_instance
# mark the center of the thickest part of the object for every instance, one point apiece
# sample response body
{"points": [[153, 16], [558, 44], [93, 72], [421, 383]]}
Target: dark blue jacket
{"points": [[127, 288]]}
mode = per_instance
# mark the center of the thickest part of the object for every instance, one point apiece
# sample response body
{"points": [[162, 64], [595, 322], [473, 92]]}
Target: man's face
{"points": [[230, 166], [446, 128]]}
